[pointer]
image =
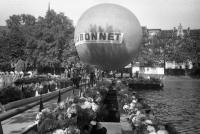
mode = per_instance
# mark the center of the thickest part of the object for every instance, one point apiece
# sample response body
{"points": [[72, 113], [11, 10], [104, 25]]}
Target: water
{"points": [[178, 103]]}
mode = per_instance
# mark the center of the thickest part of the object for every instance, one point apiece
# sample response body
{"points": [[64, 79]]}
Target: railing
{"points": [[29, 103], [23, 102]]}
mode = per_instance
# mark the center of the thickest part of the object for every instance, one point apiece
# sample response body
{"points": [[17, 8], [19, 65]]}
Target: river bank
{"points": [[180, 78]]}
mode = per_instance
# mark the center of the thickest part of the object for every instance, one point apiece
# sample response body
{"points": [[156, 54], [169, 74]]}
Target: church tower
{"points": [[49, 7]]}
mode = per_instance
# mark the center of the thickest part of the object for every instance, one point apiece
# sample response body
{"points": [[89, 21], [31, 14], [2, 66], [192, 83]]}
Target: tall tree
{"points": [[42, 42], [4, 50], [18, 34], [54, 35]]}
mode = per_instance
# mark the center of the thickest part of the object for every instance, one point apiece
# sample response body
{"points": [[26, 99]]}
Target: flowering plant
{"points": [[141, 116], [72, 115]]}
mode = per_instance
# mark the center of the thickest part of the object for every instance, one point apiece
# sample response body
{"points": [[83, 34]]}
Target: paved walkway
{"points": [[18, 123]]}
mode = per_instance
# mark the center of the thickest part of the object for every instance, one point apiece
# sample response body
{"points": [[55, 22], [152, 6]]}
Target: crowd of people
{"points": [[78, 72], [7, 78]]}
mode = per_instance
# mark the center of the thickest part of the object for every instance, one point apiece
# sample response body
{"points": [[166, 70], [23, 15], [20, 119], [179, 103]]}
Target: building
{"points": [[175, 36], [153, 32]]}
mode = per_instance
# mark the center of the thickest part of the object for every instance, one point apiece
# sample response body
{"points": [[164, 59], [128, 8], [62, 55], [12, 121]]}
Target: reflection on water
{"points": [[178, 103]]}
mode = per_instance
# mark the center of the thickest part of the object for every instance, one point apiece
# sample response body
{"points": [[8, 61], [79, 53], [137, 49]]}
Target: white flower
{"points": [[70, 100], [38, 116], [72, 109], [150, 129], [61, 105], [67, 100], [46, 110], [162, 132], [133, 97], [152, 133], [134, 101], [59, 131], [148, 122], [138, 113], [136, 121], [131, 116], [86, 105], [133, 119], [98, 99], [98, 93], [83, 98], [93, 122], [94, 107], [72, 130], [89, 99], [132, 106], [66, 130], [125, 107]]}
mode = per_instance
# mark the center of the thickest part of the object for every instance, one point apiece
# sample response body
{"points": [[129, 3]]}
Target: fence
{"points": [[20, 106]]}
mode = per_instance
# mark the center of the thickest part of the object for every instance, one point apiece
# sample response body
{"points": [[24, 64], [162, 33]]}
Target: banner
{"points": [[99, 37]]}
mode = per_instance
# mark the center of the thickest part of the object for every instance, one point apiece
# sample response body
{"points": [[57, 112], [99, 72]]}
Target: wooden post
{"points": [[59, 97], [41, 104]]}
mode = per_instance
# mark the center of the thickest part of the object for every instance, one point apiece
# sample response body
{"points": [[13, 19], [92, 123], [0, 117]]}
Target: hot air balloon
{"points": [[108, 36]]}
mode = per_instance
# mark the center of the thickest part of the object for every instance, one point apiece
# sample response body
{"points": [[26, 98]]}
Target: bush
{"points": [[52, 87], [62, 83], [43, 90], [35, 79], [10, 94], [195, 72], [46, 87], [28, 91]]}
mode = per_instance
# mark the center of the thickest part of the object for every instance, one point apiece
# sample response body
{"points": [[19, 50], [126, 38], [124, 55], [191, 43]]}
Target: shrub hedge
{"points": [[10, 94], [27, 89]]}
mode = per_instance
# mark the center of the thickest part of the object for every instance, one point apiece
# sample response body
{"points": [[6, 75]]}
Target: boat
{"points": [[144, 83]]}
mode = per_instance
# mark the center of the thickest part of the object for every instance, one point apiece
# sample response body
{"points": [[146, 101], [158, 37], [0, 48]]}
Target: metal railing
{"points": [[17, 107]]}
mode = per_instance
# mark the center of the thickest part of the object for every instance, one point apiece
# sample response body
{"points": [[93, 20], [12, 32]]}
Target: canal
{"points": [[178, 103]]}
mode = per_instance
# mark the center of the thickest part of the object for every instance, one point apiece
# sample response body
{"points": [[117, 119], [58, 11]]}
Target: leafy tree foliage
{"points": [[151, 51], [46, 41], [161, 48], [3, 47], [53, 36]]}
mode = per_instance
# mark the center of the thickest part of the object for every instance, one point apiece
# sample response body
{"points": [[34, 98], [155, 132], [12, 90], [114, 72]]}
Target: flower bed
{"points": [[140, 115], [77, 114], [74, 115]]}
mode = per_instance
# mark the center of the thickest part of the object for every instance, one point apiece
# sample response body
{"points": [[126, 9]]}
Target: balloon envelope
{"points": [[108, 36]]}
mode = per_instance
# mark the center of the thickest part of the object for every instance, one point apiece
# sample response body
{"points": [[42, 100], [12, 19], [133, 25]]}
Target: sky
{"points": [[164, 14]]}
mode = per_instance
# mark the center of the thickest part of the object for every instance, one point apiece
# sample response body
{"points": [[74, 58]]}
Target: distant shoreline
{"points": [[172, 77]]}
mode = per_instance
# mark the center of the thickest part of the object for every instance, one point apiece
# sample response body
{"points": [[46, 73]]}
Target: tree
{"points": [[3, 47], [47, 41], [4, 50], [16, 35], [53, 36], [151, 52]]}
